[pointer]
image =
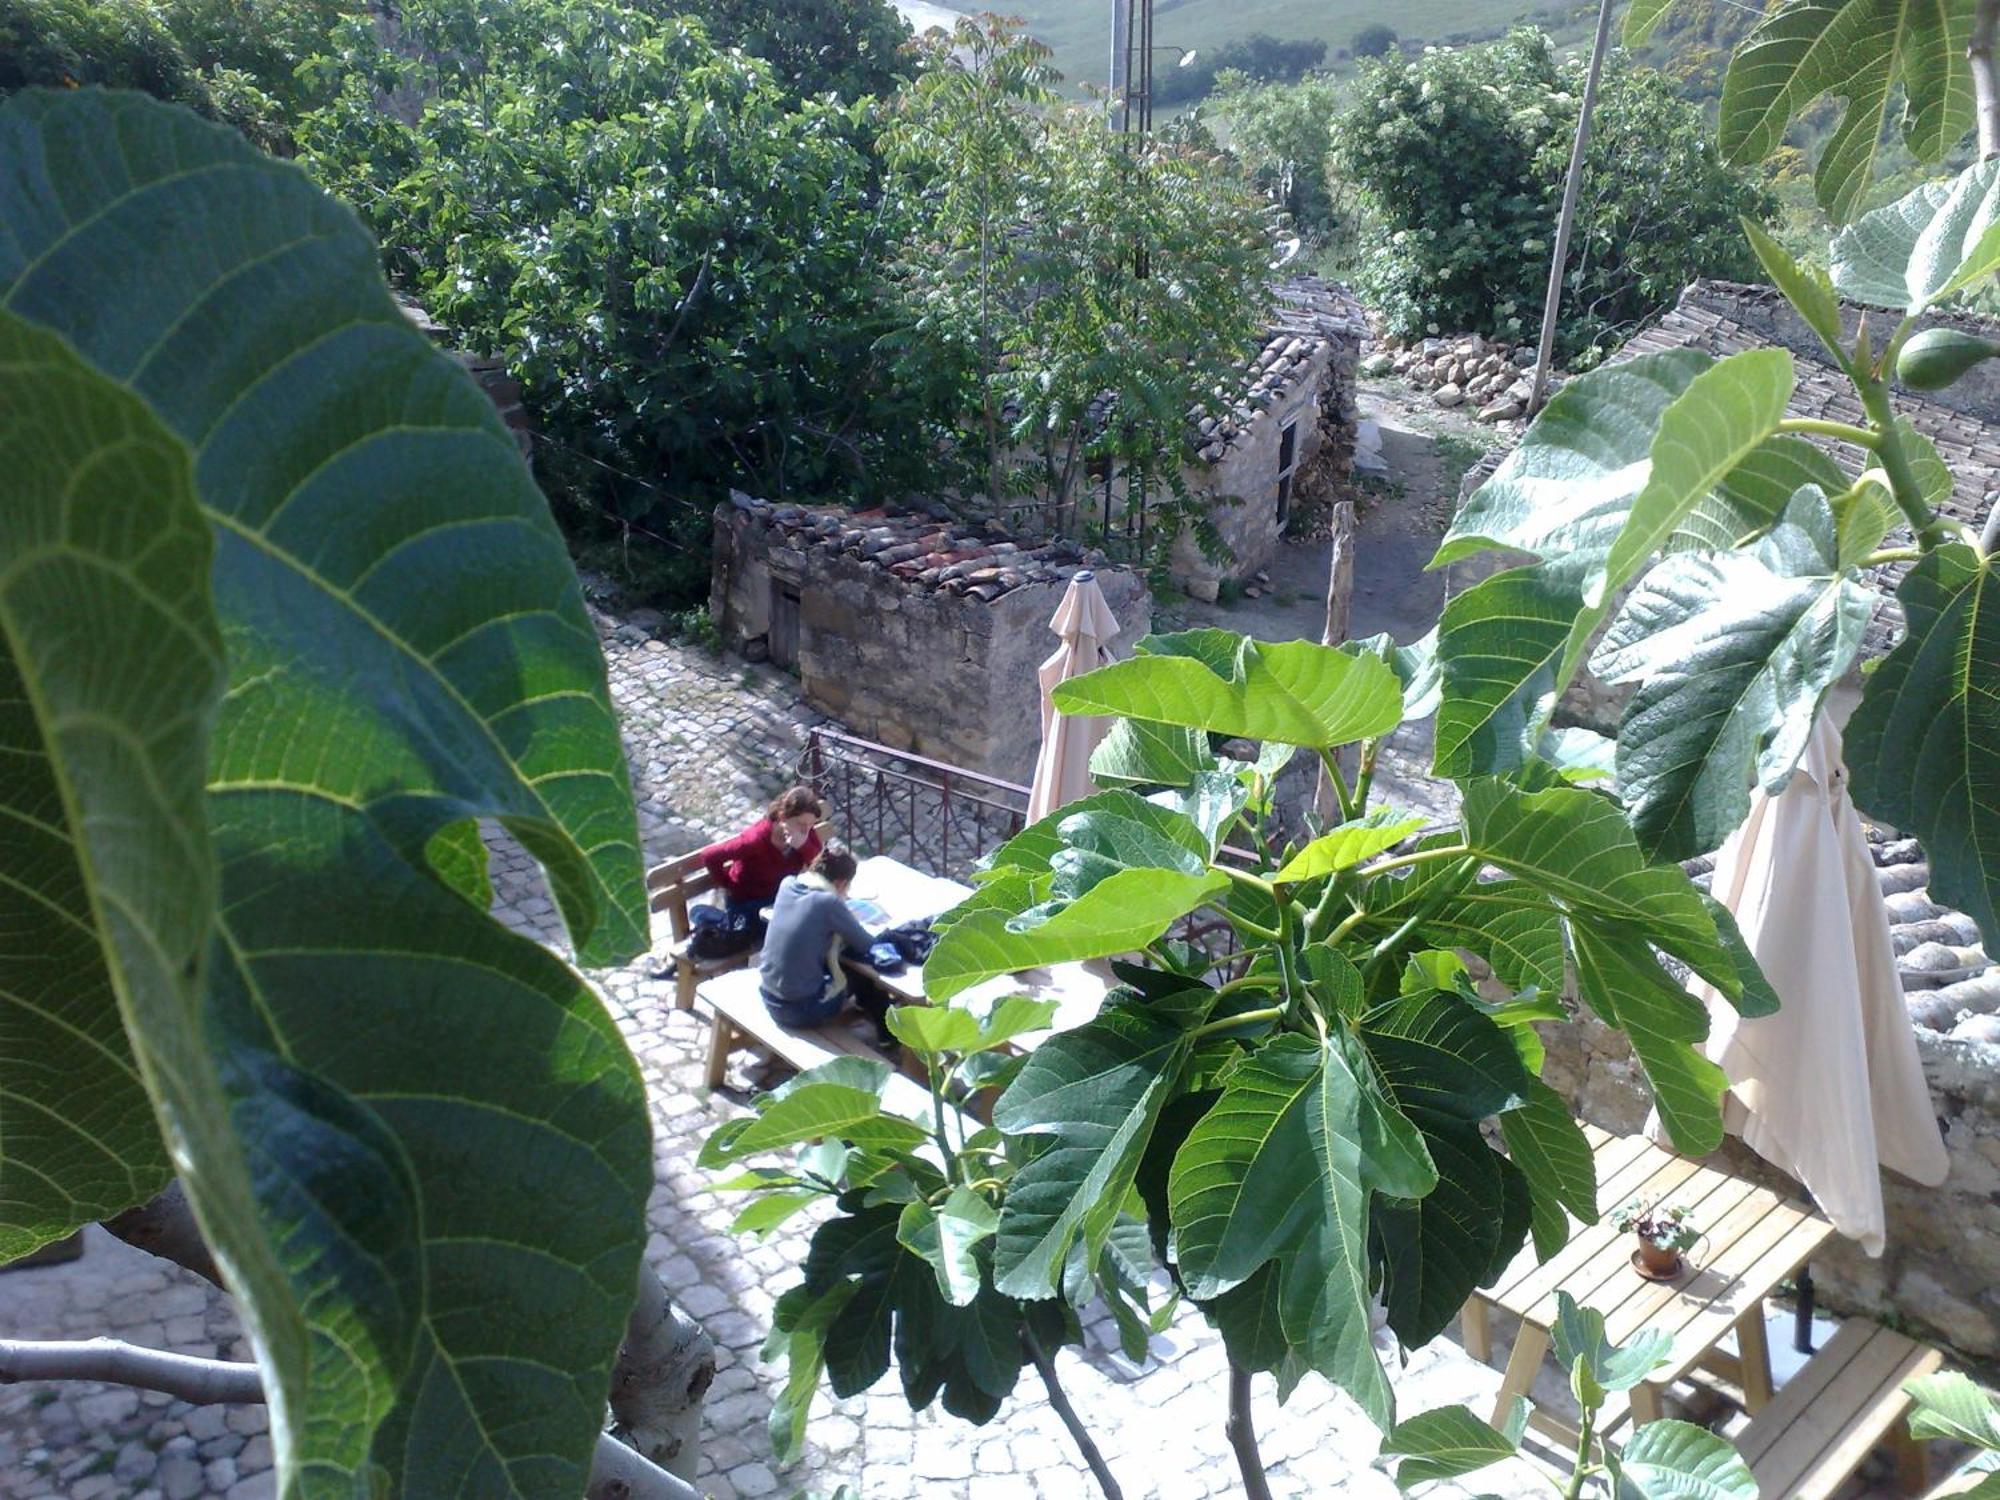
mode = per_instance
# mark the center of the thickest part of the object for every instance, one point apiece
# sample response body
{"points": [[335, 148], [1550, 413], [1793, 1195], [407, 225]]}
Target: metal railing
{"points": [[940, 818], [933, 816]]}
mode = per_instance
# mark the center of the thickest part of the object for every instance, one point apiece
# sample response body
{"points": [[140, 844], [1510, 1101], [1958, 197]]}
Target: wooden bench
{"points": [[670, 887], [737, 1002], [1825, 1421]]}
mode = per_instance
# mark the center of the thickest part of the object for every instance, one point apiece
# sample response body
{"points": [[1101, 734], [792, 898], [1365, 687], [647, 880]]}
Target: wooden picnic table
{"points": [[1753, 1238], [903, 895]]}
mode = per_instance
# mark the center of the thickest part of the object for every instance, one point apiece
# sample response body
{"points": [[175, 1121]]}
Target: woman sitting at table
{"points": [[749, 867], [803, 983]]}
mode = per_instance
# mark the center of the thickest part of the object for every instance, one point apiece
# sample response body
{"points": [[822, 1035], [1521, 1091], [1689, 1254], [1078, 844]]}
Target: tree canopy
{"points": [[1461, 156]]}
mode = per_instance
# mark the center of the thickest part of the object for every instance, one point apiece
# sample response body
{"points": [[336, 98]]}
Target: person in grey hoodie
{"points": [[800, 971]]}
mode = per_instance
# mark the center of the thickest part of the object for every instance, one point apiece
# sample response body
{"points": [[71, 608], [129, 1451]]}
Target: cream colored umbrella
{"points": [[1084, 623], [1830, 1089]]}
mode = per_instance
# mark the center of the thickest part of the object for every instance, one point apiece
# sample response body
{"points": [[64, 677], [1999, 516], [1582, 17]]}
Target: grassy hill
{"points": [[1080, 30]]}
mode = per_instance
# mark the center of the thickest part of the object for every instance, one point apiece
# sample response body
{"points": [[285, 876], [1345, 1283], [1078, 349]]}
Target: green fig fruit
{"points": [[1933, 359]]}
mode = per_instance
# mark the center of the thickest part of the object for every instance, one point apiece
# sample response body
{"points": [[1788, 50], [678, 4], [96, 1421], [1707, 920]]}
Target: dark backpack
{"points": [[722, 933]]}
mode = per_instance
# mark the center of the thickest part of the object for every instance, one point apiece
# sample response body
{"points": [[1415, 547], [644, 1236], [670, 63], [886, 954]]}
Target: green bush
{"points": [[1461, 155], [677, 257], [1375, 40], [225, 59]]}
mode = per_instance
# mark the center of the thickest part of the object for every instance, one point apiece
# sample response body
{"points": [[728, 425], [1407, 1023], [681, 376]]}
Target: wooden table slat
{"points": [[1624, 1163], [1661, 1175], [1701, 1332], [1753, 1206], [1611, 1267]]}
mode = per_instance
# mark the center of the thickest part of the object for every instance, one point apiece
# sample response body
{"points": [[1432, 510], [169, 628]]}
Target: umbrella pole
{"points": [[1802, 1316]]}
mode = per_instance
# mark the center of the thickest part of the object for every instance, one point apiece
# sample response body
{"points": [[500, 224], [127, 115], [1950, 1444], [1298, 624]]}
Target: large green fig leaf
{"points": [[1859, 51], [1450, 1441], [1623, 982], [1498, 644], [1439, 1053], [1724, 415], [1569, 484], [1136, 753], [1923, 748], [1732, 652], [1037, 844], [1929, 243], [1751, 499], [1672, 1460], [1098, 1090], [1434, 1250], [1641, 16], [1546, 1143], [110, 665], [1293, 692], [1120, 914], [445, 1136], [1949, 1407], [1273, 1173], [1610, 472], [1578, 849]]}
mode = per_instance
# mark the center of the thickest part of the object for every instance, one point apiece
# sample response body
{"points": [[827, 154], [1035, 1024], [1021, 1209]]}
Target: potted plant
{"points": [[1664, 1234]]}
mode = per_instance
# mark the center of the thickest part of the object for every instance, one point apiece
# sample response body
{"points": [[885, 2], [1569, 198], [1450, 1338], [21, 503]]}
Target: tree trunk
{"points": [[1242, 1431], [1339, 618], [664, 1369], [1059, 1400], [1985, 90], [1566, 220]]}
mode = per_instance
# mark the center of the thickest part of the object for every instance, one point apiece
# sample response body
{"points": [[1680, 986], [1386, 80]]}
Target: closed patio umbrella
{"points": [[1830, 1089], [1084, 623]]}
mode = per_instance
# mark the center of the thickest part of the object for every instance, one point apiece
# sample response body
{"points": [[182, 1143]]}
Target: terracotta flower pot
{"points": [[1658, 1259]]}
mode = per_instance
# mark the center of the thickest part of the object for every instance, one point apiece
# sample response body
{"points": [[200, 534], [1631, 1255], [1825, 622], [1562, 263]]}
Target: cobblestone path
{"points": [[708, 742]]}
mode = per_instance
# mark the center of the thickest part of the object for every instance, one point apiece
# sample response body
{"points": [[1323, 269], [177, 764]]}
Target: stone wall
{"points": [[913, 632], [1303, 376], [1939, 1275]]}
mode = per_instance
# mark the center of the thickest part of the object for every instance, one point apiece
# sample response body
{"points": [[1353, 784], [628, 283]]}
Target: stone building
{"points": [[918, 632], [1286, 442], [1940, 1273], [1290, 433]]}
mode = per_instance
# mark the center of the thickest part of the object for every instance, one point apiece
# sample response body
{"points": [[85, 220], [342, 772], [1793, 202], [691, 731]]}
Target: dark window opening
{"points": [[1288, 461]]}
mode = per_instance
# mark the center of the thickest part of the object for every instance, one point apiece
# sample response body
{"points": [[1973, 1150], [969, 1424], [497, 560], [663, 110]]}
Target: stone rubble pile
{"points": [[1949, 984], [1492, 378]]}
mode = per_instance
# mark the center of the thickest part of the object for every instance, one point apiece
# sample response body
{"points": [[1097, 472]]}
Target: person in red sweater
{"points": [[749, 867]]}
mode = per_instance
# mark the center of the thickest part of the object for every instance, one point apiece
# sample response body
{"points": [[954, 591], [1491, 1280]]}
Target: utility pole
{"points": [[1552, 302]]}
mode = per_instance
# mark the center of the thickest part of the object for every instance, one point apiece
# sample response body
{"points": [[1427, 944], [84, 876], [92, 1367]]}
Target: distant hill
{"points": [[1080, 30]]}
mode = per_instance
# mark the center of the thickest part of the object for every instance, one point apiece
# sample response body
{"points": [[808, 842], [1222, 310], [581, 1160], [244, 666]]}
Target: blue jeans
{"points": [[804, 1015]]}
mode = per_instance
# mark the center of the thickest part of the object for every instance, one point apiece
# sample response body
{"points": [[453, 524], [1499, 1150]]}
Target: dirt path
{"points": [[1401, 515]]}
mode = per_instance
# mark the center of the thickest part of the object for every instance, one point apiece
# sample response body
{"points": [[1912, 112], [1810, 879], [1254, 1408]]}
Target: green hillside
{"points": [[1080, 30]]}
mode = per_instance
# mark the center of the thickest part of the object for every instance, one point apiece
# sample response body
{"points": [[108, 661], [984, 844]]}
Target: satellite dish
{"points": [[1287, 251]]}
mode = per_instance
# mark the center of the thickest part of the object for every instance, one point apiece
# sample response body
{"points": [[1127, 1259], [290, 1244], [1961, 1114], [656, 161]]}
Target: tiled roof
{"points": [[926, 551], [1308, 314]]}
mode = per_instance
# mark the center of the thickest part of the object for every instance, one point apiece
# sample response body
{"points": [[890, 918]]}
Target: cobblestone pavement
{"points": [[708, 742]]}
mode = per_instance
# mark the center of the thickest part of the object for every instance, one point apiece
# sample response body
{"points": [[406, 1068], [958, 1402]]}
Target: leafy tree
{"points": [[1373, 40], [281, 616], [1283, 135], [1461, 156], [845, 47], [220, 58], [1316, 1128], [679, 261], [1090, 296]]}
